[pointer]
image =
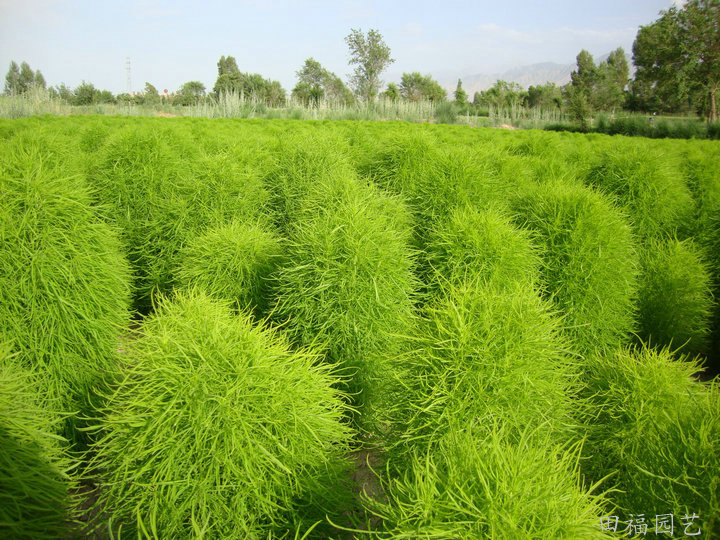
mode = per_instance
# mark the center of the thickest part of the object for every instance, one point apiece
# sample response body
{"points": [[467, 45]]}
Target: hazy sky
{"points": [[169, 43]]}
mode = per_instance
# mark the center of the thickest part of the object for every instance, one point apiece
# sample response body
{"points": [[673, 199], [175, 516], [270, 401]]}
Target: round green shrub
{"points": [[348, 281], [484, 352], [64, 283], [35, 500], [589, 260], [482, 243], [161, 192], [232, 261], [216, 427], [656, 430], [648, 184], [471, 485], [675, 300]]}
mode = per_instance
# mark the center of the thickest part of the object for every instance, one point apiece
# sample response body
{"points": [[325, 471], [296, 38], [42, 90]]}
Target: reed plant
{"points": [[216, 427], [656, 430], [64, 282]]}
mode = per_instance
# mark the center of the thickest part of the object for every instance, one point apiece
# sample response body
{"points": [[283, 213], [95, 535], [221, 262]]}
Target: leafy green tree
{"points": [[502, 94], [460, 94], [699, 22], [105, 96], [371, 55], [414, 87], [190, 93], [250, 85], [546, 96], [678, 59], [586, 76], [151, 95], [392, 92], [12, 80], [39, 80], [85, 94], [64, 93], [27, 78], [612, 79]]}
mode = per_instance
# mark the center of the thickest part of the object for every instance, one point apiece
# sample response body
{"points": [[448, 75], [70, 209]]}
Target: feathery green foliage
{"points": [[64, 284], [589, 261], [162, 194], [675, 298], [649, 185], [487, 352], [216, 427], [479, 485], [232, 261], [658, 429], [476, 243], [348, 280], [35, 499]]}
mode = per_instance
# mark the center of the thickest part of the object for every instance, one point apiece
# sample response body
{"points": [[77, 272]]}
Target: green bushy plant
{"points": [[656, 430], [648, 184], [476, 243], [474, 483], [64, 283], [162, 194], [232, 261], [216, 427], [35, 500], [589, 260], [482, 351], [675, 299], [348, 280]]}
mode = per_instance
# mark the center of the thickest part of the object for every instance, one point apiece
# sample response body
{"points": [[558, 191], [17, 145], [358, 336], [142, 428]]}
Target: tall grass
{"points": [[35, 500], [64, 283], [216, 427], [657, 431], [590, 265]]}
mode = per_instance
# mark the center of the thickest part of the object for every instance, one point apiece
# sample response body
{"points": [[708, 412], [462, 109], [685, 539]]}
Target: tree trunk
{"points": [[713, 107]]}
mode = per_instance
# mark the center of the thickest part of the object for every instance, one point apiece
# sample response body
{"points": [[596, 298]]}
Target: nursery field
{"points": [[217, 328]]}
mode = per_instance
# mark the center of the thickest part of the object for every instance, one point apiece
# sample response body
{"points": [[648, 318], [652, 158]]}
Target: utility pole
{"points": [[129, 81]]}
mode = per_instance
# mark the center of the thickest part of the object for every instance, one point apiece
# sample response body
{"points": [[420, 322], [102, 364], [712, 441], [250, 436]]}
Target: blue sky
{"points": [[169, 43]]}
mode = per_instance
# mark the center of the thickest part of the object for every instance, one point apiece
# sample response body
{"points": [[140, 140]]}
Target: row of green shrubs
{"points": [[206, 324], [651, 127]]}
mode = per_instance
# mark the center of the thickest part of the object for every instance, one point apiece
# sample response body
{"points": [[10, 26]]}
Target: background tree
{"points": [[371, 56], [151, 96], [27, 77], [460, 94], [545, 96], [312, 78], [612, 79], [190, 93], [39, 81], [392, 92], [85, 94], [586, 76], [12, 80], [414, 87], [502, 94], [699, 23]]}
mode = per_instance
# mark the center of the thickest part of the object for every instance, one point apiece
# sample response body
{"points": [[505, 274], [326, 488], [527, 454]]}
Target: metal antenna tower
{"points": [[127, 70]]}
